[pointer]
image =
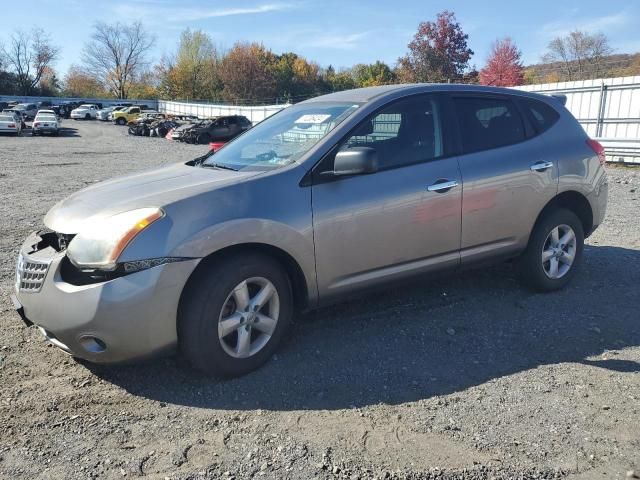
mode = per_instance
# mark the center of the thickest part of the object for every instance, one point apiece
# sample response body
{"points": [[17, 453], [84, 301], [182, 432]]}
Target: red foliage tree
{"points": [[437, 53], [503, 68]]}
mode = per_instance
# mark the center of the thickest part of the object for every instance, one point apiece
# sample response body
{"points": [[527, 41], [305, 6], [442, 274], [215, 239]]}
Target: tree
{"points": [[504, 67], [579, 55], [296, 78], [338, 81], [247, 74], [78, 83], [195, 70], [369, 75], [437, 53], [29, 55], [116, 54]]}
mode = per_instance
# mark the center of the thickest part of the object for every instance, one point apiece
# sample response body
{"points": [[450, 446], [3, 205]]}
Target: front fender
{"points": [[299, 245]]}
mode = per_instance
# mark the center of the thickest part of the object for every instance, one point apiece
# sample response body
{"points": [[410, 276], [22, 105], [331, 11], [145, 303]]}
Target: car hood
{"points": [[155, 188]]}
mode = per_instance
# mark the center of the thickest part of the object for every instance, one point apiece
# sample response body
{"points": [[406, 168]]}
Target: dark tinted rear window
{"points": [[487, 123], [542, 116]]}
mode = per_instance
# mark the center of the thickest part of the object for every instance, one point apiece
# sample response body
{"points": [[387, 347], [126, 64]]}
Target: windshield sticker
{"points": [[311, 118]]}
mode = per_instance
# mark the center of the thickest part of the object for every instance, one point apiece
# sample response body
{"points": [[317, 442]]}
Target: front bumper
{"points": [[119, 320]]}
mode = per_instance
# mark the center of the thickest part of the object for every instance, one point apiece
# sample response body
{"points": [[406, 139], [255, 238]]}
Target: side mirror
{"points": [[355, 161]]}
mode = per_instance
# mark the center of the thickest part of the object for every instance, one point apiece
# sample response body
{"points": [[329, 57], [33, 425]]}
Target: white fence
{"points": [[205, 110], [608, 109]]}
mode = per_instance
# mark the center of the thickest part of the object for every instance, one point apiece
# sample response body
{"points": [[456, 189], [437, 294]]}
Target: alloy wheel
{"points": [[558, 251], [249, 317]]}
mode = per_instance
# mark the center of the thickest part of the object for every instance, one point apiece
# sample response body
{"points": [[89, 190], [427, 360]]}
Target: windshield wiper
{"points": [[218, 165]]}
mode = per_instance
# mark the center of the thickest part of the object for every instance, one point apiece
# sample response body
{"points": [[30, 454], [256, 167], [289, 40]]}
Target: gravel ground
{"points": [[466, 377]]}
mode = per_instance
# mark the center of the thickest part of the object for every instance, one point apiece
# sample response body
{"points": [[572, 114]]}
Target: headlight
{"points": [[100, 242]]}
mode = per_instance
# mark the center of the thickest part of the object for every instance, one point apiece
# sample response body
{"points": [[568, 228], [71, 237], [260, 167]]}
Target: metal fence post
{"points": [[601, 110]]}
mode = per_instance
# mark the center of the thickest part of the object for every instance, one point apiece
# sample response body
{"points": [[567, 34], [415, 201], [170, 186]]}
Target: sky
{"points": [[331, 32]]}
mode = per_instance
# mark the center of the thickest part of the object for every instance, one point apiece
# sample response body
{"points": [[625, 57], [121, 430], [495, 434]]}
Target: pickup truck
{"points": [[122, 117]]}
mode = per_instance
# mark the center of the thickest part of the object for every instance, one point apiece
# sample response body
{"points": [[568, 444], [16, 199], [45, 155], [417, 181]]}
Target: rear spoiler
{"points": [[561, 98]]}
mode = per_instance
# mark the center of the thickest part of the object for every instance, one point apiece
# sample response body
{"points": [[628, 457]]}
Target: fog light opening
{"points": [[92, 344]]}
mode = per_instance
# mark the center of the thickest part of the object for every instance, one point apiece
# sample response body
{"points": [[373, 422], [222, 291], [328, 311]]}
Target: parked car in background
{"points": [[103, 113], [9, 123], [18, 115], [46, 112], [129, 114], [67, 107], [219, 129], [44, 104], [28, 110], [215, 255], [86, 111], [45, 122]]}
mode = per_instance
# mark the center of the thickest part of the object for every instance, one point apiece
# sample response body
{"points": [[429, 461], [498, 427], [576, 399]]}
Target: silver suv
{"points": [[343, 192]]}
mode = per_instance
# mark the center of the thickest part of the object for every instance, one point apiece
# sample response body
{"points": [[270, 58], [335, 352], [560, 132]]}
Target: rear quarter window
{"points": [[541, 115]]}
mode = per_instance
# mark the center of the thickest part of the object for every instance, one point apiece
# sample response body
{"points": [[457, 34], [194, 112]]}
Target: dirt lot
{"points": [[469, 376]]}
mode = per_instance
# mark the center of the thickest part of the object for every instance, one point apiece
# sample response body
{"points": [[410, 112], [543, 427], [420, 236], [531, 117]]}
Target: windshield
{"points": [[283, 138], [46, 118], [6, 118]]}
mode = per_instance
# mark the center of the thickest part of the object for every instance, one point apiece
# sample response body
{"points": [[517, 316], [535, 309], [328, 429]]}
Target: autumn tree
{"points": [[437, 53], [504, 67], [579, 55], [296, 77], [369, 75], [28, 56], [247, 75], [79, 83], [117, 54]]}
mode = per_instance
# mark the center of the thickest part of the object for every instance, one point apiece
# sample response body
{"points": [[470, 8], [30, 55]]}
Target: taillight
{"points": [[36, 124], [598, 149], [12, 125]]}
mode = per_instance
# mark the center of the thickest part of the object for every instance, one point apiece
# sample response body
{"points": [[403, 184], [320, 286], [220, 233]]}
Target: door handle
{"points": [[442, 186], [541, 166]]}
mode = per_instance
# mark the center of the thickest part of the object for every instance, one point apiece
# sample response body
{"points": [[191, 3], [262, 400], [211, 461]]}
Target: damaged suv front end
{"points": [[106, 312]]}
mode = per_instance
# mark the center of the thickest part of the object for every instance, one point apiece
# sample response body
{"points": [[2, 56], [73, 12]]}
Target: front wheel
{"points": [[554, 251], [121, 121], [234, 314]]}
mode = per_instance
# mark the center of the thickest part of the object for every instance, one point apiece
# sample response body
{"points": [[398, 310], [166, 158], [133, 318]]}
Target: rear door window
{"points": [[488, 122]]}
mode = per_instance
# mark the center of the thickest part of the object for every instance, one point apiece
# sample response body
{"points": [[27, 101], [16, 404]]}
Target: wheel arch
{"points": [[299, 287], [575, 202]]}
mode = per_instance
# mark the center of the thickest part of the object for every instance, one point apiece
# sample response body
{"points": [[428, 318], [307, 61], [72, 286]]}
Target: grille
{"points": [[30, 274]]}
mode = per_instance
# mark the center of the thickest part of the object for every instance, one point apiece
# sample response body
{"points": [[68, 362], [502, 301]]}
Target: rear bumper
{"points": [[598, 199], [120, 320]]}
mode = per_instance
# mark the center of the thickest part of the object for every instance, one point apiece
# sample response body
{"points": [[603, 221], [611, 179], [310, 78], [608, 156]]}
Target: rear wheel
{"points": [[234, 314], [554, 251], [87, 117]]}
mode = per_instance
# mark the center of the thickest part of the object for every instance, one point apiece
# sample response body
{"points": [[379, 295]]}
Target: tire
{"points": [[203, 138], [212, 290], [121, 121], [33, 134], [540, 274]]}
